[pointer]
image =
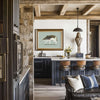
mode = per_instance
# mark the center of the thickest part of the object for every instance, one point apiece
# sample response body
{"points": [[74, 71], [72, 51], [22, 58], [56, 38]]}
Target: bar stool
{"points": [[64, 66], [96, 66], [81, 65]]}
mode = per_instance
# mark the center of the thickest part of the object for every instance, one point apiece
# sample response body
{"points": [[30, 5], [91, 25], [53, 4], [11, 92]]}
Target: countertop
{"points": [[49, 57], [74, 59], [23, 74], [71, 58]]}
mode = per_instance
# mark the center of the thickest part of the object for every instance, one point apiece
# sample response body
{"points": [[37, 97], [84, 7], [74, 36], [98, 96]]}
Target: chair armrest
{"points": [[69, 88]]}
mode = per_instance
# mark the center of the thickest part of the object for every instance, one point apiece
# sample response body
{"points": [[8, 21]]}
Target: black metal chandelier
{"points": [[77, 29]]}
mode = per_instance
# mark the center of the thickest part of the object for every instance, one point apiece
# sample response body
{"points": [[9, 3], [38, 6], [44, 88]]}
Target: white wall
{"points": [[69, 35]]}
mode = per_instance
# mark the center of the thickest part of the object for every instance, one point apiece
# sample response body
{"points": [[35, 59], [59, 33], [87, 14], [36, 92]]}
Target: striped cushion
{"points": [[89, 81]]}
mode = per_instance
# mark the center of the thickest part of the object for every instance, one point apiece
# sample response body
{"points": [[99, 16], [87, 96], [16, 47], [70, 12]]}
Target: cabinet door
{"points": [[16, 90], [21, 91], [47, 68], [3, 18], [1, 10], [38, 68], [42, 68], [26, 93], [24, 89], [1, 93], [49, 71]]}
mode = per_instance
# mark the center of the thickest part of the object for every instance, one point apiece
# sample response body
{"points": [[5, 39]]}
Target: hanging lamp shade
{"points": [[77, 29]]}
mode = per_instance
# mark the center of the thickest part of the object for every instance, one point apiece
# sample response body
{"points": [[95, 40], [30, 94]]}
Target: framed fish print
{"points": [[49, 39]]}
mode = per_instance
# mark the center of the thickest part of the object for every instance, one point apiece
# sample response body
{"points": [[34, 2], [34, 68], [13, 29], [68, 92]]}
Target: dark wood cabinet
{"points": [[42, 68], [3, 18], [24, 88], [7, 20], [1, 10]]}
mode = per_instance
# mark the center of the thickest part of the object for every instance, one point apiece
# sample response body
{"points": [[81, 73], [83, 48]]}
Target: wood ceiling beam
{"points": [[68, 13], [63, 9], [49, 13], [37, 10], [67, 17], [60, 2], [88, 9]]}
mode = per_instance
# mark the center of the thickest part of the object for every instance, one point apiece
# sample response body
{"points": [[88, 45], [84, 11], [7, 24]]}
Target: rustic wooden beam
{"points": [[68, 17], [49, 13], [63, 9], [53, 13], [92, 13], [68, 13], [37, 10], [61, 2], [88, 9]]}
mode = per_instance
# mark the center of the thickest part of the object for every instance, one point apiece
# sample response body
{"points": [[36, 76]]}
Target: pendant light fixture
{"points": [[77, 29], [78, 38]]}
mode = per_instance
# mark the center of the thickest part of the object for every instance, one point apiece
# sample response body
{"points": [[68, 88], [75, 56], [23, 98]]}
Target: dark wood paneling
{"points": [[3, 46], [6, 17], [1, 10], [1, 93]]}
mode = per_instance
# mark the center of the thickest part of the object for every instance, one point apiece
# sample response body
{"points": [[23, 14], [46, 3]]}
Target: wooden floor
{"points": [[49, 95], [43, 90]]}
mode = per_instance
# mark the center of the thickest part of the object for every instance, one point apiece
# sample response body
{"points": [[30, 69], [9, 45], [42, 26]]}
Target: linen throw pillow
{"points": [[89, 81], [75, 83]]}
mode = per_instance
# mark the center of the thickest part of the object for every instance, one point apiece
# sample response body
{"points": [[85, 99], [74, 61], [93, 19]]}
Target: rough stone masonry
{"points": [[26, 36]]}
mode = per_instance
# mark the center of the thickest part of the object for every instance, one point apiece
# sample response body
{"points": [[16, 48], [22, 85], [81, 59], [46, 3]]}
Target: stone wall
{"points": [[26, 35]]}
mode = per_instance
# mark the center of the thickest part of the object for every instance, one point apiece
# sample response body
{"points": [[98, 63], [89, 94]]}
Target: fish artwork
{"points": [[50, 40]]}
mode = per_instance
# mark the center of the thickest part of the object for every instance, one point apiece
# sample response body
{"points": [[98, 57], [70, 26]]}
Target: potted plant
{"points": [[68, 51]]}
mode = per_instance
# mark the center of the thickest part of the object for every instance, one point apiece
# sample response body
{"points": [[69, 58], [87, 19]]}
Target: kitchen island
{"points": [[54, 58], [54, 62]]}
